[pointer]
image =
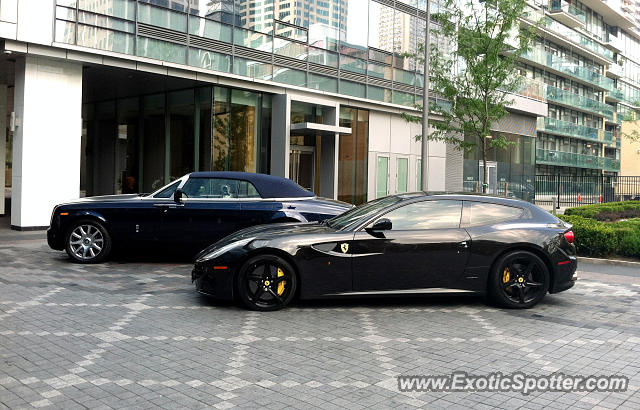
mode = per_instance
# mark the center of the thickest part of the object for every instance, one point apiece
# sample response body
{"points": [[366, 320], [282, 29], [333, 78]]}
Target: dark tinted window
{"points": [[426, 215], [362, 212], [487, 214], [219, 188], [168, 191]]}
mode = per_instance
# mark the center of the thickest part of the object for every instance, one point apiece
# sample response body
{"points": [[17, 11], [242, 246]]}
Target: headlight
{"points": [[214, 254]]}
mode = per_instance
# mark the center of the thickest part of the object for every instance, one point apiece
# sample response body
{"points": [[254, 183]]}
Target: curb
{"points": [[614, 262]]}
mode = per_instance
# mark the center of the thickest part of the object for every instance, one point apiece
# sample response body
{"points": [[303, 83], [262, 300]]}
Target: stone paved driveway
{"points": [[122, 335]]}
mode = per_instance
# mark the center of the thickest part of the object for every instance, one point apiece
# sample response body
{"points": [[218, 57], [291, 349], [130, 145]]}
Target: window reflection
{"points": [[442, 214]]}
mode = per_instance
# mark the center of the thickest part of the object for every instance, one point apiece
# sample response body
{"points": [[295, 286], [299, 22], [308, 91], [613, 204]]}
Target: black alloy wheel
{"points": [[266, 282], [87, 241], [520, 280]]}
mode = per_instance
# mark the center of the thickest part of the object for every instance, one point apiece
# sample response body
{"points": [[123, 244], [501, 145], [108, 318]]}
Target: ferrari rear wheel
{"points": [[266, 282], [520, 280], [87, 241]]}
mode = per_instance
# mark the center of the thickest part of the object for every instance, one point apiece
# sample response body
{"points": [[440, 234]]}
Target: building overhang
{"points": [[612, 13], [312, 128]]}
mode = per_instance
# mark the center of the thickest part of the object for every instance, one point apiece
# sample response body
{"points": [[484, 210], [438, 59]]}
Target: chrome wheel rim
{"points": [[86, 242]]}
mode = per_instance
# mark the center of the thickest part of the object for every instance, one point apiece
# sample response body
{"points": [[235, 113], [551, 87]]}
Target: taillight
{"points": [[569, 236]]}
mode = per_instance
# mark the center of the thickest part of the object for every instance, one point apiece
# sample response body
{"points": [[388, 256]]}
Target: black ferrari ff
{"points": [[186, 215], [409, 243]]}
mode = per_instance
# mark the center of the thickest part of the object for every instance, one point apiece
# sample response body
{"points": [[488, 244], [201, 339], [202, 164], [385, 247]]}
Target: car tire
{"points": [[519, 280], [87, 241], [266, 283]]}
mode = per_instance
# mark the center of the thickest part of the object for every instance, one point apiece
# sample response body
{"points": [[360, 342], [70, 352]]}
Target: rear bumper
{"points": [[565, 275]]}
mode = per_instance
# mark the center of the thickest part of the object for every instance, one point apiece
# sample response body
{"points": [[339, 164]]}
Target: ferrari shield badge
{"points": [[344, 247]]}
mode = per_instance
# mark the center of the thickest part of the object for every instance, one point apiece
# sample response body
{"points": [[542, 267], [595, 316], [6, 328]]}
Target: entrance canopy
{"points": [[312, 128]]}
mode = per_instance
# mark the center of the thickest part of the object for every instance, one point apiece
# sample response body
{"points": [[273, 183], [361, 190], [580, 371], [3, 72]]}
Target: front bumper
{"points": [[54, 239], [211, 282]]}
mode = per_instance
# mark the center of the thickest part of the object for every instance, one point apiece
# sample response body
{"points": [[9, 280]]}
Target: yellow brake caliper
{"points": [[281, 284], [506, 275]]}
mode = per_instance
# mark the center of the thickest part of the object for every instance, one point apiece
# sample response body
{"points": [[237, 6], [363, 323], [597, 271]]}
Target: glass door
{"points": [[302, 166], [402, 174], [382, 175], [492, 168]]}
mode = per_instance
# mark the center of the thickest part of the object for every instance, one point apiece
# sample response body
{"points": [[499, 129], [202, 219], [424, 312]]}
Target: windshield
{"points": [[364, 211]]}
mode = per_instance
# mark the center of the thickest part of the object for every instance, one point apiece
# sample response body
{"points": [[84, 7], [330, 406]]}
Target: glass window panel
{"points": [[407, 34], [290, 49], [104, 39], [153, 158], [67, 3], [380, 71], [289, 76], [65, 32], [258, 18], [182, 148], [426, 215], [353, 64], [252, 39], [65, 13], [380, 26], [324, 57], [487, 214], [356, 30], [210, 29], [403, 98], [403, 174], [161, 50], [204, 131], [106, 22], [352, 156], [162, 17], [125, 9], [323, 83], [253, 69], [209, 60], [381, 177], [219, 188], [351, 88], [412, 3], [294, 33], [377, 93], [243, 131], [405, 77]]}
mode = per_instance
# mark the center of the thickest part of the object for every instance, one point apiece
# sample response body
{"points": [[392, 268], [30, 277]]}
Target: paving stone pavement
{"points": [[124, 335]]}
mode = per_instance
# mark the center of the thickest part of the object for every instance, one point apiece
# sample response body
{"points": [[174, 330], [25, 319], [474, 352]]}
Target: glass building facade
{"points": [[352, 47]]}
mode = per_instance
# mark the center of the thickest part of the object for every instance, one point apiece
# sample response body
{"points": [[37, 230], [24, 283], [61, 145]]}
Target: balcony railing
{"points": [[616, 70], [570, 159], [560, 96], [560, 64], [569, 129], [561, 6]]}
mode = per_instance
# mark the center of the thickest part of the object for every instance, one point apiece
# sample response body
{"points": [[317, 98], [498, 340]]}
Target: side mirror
{"points": [[177, 195], [383, 224]]}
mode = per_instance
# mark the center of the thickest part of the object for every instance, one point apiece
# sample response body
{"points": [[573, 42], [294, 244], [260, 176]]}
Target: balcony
{"points": [[570, 37], [578, 102], [614, 95], [562, 66], [615, 70], [569, 129], [613, 43], [567, 14], [570, 159], [612, 13]]}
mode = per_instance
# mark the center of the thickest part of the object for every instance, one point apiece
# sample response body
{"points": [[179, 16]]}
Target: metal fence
{"points": [[570, 191]]}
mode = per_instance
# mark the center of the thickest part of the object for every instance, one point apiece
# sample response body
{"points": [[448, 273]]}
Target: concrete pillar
{"points": [[280, 130], [3, 143], [46, 141]]}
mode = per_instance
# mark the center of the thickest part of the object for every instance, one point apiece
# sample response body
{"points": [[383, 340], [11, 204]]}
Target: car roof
{"points": [[268, 186]]}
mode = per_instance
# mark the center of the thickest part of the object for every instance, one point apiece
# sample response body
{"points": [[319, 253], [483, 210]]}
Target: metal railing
{"points": [[571, 190]]}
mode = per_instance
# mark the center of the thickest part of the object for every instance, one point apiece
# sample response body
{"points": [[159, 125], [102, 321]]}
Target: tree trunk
{"points": [[485, 172]]}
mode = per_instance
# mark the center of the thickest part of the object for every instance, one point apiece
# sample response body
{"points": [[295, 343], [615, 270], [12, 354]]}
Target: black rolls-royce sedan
{"points": [[189, 213], [409, 243]]}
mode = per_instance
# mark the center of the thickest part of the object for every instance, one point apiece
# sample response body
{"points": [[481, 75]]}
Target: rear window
{"points": [[219, 188], [488, 214]]}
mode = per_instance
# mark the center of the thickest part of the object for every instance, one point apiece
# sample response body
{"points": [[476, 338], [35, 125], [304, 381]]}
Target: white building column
{"points": [[3, 143], [46, 141]]}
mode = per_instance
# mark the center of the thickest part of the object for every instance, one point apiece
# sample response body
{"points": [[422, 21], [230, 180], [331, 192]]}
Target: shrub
{"points": [[609, 211], [630, 244], [593, 238]]}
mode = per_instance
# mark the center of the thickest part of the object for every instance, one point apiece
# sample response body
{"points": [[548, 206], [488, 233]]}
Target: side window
{"points": [[486, 214], [168, 191], [219, 188], [441, 214]]}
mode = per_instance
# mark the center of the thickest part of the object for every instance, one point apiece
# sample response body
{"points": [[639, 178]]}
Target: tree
{"points": [[632, 116], [477, 72]]}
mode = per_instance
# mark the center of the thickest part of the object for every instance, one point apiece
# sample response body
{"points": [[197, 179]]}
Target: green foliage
{"points": [[596, 238], [474, 65]]}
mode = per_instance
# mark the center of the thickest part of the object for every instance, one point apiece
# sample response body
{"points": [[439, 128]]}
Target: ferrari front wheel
{"points": [[266, 282]]}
